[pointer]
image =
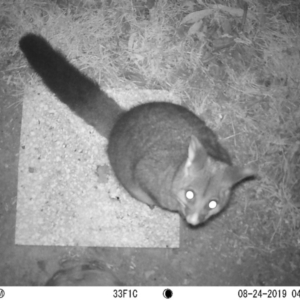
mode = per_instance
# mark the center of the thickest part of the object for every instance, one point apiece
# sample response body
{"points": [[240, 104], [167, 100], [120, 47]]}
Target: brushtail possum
{"points": [[163, 154]]}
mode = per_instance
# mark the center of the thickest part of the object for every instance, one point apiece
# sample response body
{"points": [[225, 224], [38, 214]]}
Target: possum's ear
{"points": [[196, 156], [236, 174]]}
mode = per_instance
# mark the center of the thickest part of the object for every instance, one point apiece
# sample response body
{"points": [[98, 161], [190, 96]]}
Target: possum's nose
{"points": [[195, 219]]}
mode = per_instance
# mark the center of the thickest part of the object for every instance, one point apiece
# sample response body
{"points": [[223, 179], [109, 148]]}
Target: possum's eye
{"points": [[189, 195], [213, 203]]}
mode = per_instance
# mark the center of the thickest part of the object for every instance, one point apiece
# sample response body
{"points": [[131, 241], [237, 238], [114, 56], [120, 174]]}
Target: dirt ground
{"points": [[226, 251]]}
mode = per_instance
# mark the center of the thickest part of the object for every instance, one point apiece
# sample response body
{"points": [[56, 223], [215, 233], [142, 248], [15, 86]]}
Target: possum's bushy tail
{"points": [[82, 94]]}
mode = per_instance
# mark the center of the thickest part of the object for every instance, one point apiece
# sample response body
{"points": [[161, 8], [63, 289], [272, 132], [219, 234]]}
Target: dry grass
{"points": [[242, 79]]}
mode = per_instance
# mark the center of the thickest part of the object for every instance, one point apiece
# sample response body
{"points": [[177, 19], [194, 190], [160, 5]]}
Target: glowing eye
{"points": [[212, 204], [189, 195]]}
